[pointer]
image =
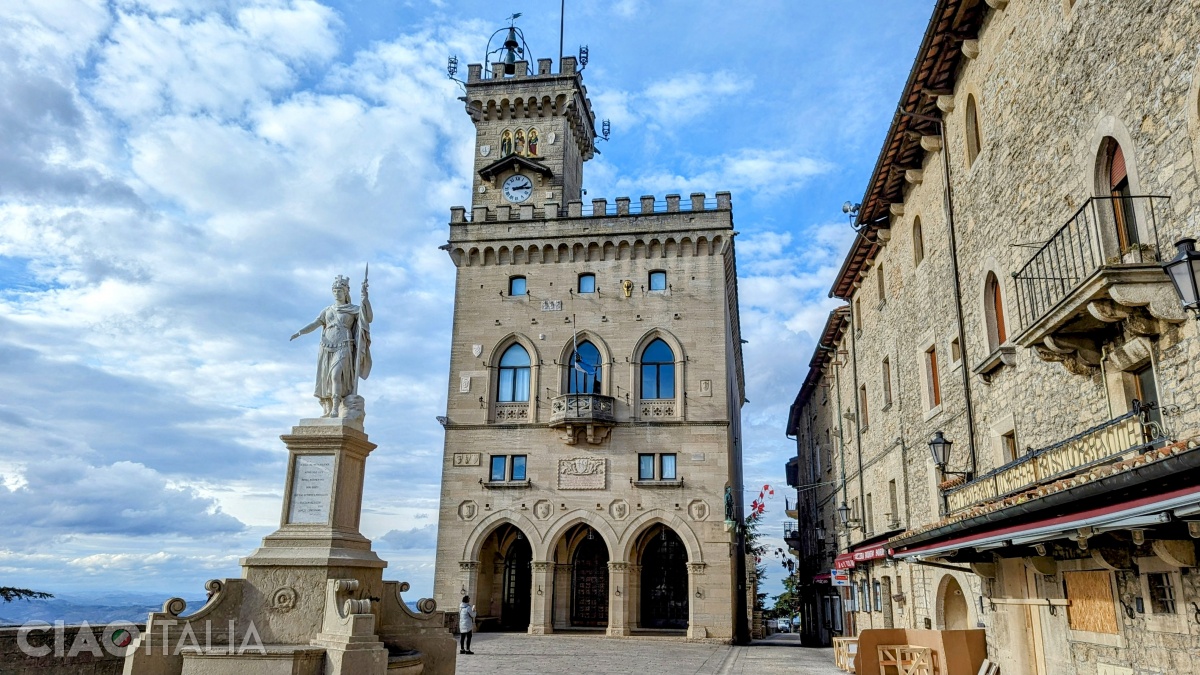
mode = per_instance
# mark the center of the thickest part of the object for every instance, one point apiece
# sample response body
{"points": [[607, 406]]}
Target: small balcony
{"points": [[791, 535], [1116, 440], [589, 416], [1101, 268]]}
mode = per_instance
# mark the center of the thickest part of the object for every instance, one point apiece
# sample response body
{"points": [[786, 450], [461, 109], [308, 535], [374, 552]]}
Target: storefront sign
{"points": [[839, 578]]}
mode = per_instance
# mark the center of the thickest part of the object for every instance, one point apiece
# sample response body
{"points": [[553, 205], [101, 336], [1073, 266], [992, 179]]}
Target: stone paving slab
{"points": [[519, 654]]}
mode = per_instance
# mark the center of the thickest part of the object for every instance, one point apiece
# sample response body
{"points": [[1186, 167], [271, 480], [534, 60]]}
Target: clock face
{"points": [[518, 188]]}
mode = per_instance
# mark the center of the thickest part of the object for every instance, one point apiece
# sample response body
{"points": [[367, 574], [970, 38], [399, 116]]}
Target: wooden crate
{"points": [[905, 660], [844, 651]]}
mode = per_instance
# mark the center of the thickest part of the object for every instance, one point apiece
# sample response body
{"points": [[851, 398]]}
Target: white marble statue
{"points": [[345, 352]]}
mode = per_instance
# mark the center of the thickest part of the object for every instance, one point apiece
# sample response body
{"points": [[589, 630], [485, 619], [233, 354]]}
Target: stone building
{"points": [[592, 453], [1006, 291]]}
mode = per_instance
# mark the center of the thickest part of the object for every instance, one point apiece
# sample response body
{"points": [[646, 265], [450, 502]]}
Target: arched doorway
{"points": [[664, 580], [953, 605], [589, 583], [505, 578]]}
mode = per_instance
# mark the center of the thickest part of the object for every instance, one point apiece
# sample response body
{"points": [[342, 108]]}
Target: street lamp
{"points": [[1184, 270], [940, 446], [843, 512], [820, 532]]}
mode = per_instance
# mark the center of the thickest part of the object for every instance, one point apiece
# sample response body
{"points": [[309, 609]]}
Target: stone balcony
{"points": [[1099, 269], [590, 416]]}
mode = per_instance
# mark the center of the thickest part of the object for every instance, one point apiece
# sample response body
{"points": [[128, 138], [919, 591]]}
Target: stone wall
{"points": [[1050, 83], [695, 315], [15, 661]]}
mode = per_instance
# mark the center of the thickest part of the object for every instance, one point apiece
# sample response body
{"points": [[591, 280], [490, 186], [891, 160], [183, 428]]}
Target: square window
{"points": [[587, 283], [1162, 593], [645, 467], [498, 462], [658, 281], [516, 286], [518, 467], [667, 465]]}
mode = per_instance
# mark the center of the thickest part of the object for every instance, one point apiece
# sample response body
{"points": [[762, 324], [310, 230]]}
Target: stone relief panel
{"points": [[468, 510], [466, 459], [698, 510], [543, 509], [284, 599], [706, 387], [582, 473], [619, 509]]}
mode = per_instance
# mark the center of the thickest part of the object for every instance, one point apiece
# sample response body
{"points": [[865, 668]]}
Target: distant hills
{"points": [[100, 609]]}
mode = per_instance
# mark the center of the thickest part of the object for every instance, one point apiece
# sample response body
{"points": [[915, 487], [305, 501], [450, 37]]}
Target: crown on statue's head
{"points": [[341, 282]]}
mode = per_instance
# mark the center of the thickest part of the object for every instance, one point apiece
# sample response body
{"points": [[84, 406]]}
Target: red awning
{"points": [[861, 554], [1121, 515], [821, 577]]}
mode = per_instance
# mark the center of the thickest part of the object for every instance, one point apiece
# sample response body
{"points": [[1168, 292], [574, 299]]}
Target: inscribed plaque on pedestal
{"points": [[312, 489]]}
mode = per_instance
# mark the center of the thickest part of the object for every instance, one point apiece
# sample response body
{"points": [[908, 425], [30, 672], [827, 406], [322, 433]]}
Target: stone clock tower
{"points": [[592, 467], [533, 134]]}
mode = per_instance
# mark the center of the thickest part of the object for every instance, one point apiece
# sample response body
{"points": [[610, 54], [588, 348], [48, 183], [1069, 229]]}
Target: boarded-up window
{"points": [[1092, 607]]}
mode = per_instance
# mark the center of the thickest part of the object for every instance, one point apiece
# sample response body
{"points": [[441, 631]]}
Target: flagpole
{"points": [[562, 11]]}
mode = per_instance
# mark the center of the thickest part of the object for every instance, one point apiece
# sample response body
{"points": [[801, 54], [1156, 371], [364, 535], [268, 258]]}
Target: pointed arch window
{"points": [[584, 368], [994, 310], [513, 382], [658, 371]]}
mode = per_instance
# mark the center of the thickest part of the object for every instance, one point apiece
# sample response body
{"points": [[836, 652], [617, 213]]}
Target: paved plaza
{"points": [[516, 653]]}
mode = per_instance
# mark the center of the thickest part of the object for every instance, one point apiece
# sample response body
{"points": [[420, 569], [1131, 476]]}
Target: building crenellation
{"points": [[592, 468], [1006, 289]]}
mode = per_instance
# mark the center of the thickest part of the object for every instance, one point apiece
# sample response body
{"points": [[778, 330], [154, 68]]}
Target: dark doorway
{"points": [[518, 580], [664, 582], [589, 587]]}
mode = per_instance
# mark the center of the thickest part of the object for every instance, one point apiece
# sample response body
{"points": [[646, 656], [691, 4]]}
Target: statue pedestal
{"points": [[313, 593]]}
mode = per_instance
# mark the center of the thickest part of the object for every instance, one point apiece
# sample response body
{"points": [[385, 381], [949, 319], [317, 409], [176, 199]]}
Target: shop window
{"points": [[1162, 593]]}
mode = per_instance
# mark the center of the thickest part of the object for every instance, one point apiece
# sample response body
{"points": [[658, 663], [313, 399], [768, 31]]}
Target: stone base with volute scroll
{"points": [[312, 599]]}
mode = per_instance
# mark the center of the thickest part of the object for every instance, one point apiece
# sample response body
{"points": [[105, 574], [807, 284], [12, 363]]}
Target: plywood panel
{"points": [[1092, 607]]}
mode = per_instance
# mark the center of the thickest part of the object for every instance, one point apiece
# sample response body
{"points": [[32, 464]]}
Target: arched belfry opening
{"points": [[663, 580], [505, 578], [581, 579]]}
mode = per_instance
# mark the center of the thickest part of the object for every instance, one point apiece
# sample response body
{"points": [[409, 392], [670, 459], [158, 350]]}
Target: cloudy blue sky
{"points": [[180, 180]]}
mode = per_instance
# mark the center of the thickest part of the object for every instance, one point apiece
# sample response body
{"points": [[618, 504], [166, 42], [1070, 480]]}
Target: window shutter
{"points": [[1118, 172]]}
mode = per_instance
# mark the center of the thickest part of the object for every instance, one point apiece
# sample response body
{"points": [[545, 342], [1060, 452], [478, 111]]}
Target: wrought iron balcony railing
{"points": [[1112, 441], [1104, 231], [582, 409]]}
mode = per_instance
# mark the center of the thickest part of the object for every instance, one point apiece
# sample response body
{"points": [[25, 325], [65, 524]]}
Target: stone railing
{"points": [[657, 408], [1116, 439], [600, 208], [582, 409], [511, 412]]}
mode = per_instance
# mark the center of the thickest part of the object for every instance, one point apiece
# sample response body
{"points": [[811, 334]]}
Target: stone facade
{"points": [[1035, 99], [568, 530]]}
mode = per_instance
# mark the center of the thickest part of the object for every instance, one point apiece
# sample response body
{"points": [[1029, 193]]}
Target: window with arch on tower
{"points": [[587, 283], [658, 371], [658, 280], [993, 309], [512, 384], [584, 368]]}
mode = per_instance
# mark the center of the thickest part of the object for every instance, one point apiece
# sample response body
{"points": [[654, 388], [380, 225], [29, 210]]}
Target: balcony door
{"points": [[1122, 199]]}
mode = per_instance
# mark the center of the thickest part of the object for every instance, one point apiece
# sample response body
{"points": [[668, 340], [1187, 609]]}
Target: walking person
{"points": [[466, 625]]}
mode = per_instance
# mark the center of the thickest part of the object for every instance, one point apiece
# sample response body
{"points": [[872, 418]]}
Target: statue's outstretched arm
{"points": [[307, 329]]}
